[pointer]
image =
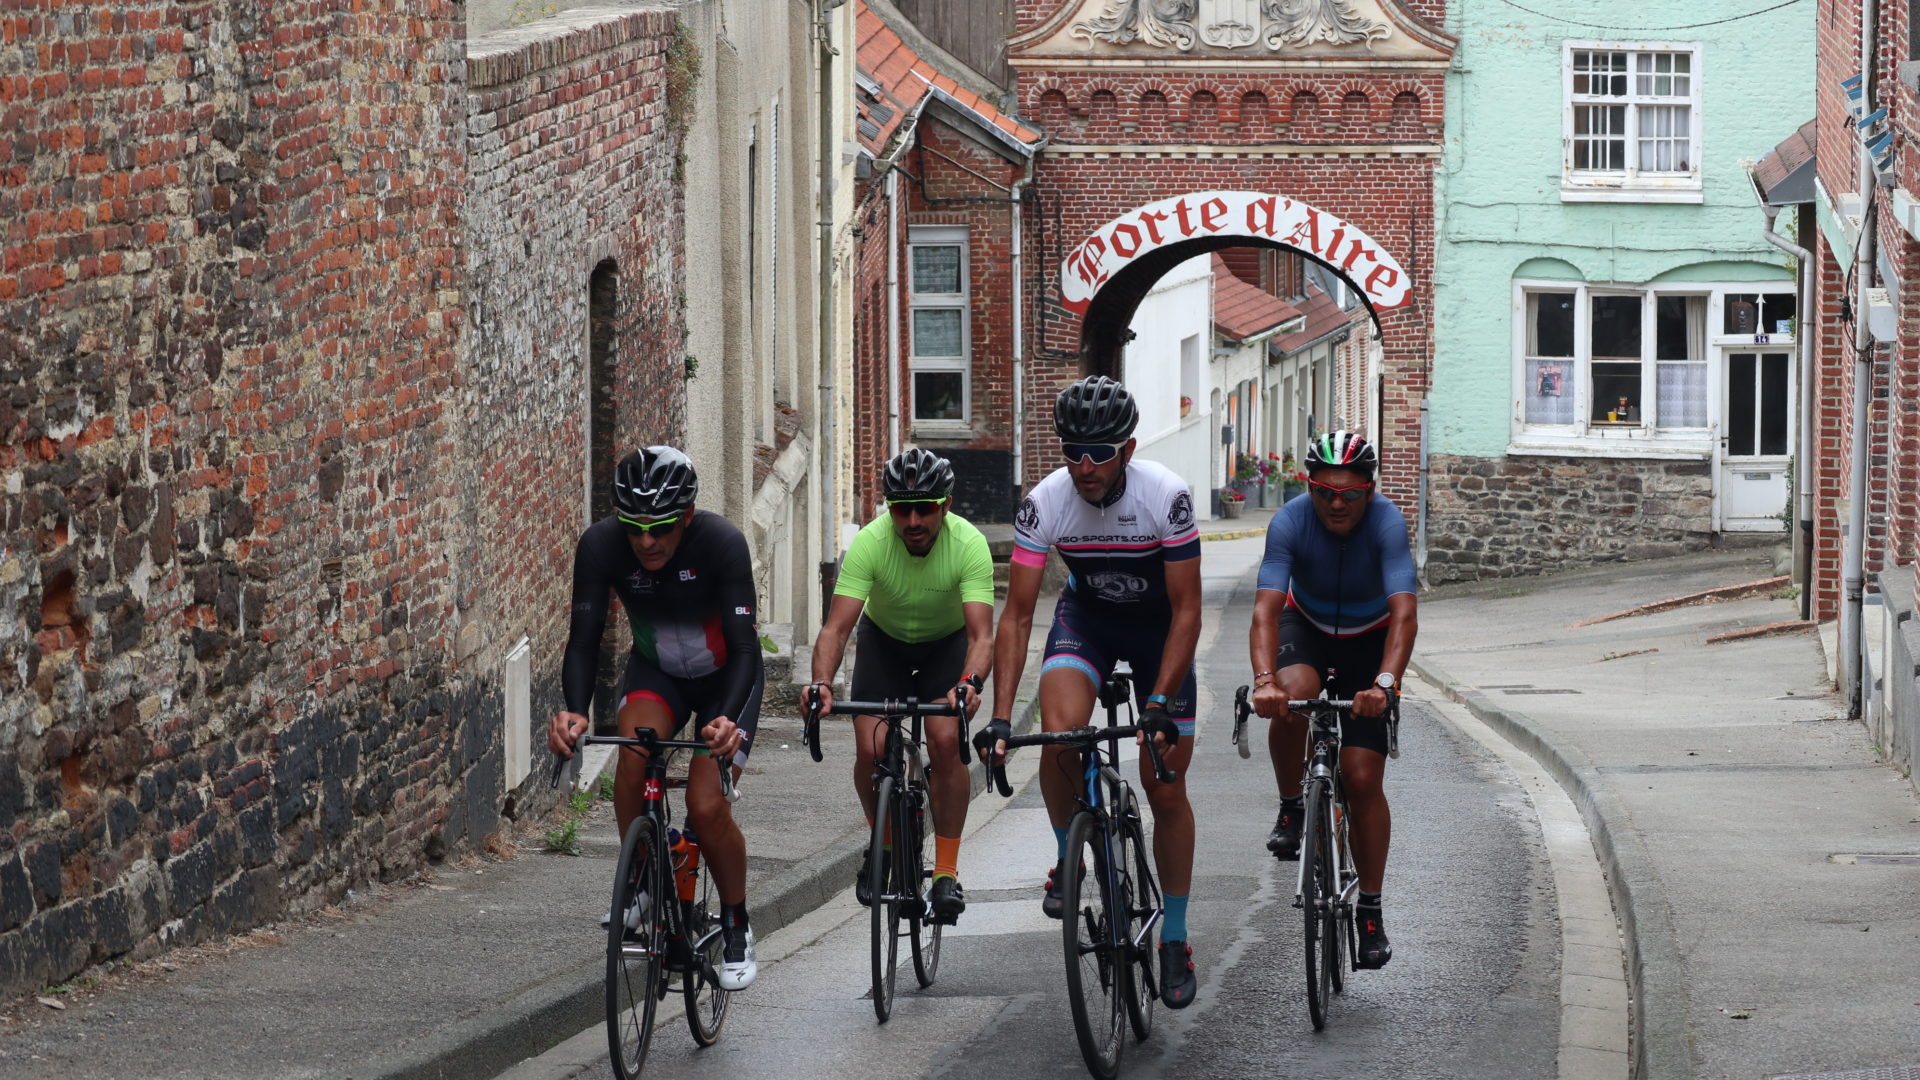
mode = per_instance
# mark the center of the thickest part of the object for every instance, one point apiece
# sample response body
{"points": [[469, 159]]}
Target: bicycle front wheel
{"points": [[1316, 903], [883, 882], [1141, 902], [635, 947], [1097, 973], [924, 931]]}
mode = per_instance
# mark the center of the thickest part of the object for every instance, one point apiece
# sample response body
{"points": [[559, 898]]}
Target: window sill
{"points": [[1687, 192], [942, 429], [1615, 441]]}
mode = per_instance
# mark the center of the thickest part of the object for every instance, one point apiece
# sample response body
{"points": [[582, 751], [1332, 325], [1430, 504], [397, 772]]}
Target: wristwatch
{"points": [[1385, 681]]}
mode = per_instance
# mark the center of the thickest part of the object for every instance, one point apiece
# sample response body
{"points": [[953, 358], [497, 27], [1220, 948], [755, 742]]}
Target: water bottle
{"points": [[684, 848]]}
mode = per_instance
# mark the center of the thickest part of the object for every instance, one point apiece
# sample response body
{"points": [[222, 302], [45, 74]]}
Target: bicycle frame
{"points": [[1323, 768]]}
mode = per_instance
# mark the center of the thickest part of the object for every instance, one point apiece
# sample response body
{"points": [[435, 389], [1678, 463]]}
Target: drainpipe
{"points": [[1803, 455], [1853, 559], [1420, 547], [826, 442], [893, 311], [1019, 341]]}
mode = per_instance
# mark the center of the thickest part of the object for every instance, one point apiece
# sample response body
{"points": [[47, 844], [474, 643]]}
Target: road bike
{"points": [[1109, 914], [898, 872], [665, 924], [1324, 890]]}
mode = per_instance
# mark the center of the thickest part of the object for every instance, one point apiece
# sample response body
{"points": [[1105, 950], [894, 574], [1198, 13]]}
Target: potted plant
{"points": [[1186, 404], [1232, 503], [1293, 479]]}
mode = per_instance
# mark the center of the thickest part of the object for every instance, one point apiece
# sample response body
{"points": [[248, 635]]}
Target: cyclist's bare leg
{"points": [[867, 736], [950, 783], [1172, 818], [1066, 702], [711, 816], [1287, 734], [1360, 774], [630, 770]]}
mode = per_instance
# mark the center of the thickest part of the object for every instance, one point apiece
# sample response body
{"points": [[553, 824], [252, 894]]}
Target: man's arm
{"points": [[979, 645], [1263, 643], [1183, 633], [1403, 623], [1016, 630], [830, 646], [580, 661]]}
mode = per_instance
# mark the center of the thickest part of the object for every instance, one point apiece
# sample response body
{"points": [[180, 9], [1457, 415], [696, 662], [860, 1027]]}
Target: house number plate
{"points": [[1757, 475]]}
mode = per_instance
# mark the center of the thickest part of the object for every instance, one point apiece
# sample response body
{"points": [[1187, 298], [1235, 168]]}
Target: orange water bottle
{"points": [[685, 850]]}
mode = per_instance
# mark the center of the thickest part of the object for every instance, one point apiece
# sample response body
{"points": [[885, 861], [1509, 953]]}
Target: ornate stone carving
{"points": [[1160, 23], [1231, 24], [1303, 22]]}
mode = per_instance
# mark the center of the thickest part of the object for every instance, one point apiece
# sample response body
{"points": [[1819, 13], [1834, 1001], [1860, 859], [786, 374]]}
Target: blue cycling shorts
{"points": [[1093, 646]]}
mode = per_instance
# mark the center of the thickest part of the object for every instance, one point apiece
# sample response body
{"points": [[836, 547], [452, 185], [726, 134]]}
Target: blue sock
{"points": [[1060, 838], [1173, 925]]}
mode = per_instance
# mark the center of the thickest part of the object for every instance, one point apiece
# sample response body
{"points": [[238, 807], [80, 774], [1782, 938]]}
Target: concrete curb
{"points": [[1661, 1028], [540, 1018]]}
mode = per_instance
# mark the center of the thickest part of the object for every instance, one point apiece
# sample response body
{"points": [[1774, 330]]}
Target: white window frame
{"points": [[940, 236], [1647, 439], [1630, 184]]}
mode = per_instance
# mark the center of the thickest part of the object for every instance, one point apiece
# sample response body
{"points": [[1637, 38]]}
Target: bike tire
{"points": [[706, 1001], [635, 959], [1142, 900], [882, 878], [1345, 947], [1313, 902], [1097, 971], [924, 932]]}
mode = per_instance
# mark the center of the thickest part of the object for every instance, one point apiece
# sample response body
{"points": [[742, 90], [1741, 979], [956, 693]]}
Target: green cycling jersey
{"points": [[917, 598]]}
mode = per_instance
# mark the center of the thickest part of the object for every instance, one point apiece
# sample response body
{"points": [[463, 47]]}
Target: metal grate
{"points": [[1876, 1073]]}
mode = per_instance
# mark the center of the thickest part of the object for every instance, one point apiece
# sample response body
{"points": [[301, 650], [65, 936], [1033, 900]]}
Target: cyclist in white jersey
{"points": [[1126, 530]]}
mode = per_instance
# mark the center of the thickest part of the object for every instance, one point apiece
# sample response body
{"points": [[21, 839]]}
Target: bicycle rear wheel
{"points": [[1141, 896], [924, 931], [1097, 970], [635, 956], [706, 1002], [883, 876], [1316, 862]]}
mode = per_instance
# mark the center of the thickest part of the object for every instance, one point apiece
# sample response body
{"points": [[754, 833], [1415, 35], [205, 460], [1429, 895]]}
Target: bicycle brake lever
{"points": [[559, 766], [1240, 710], [966, 748], [727, 790], [810, 724], [1000, 779], [1160, 770]]}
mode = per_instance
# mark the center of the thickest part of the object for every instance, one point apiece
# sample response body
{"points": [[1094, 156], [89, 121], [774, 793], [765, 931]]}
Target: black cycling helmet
{"points": [[654, 482], [915, 473], [1342, 450], [1095, 410]]}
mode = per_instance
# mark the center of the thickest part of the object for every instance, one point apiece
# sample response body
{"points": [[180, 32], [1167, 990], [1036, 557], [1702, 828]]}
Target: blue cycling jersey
{"points": [[1341, 586]]}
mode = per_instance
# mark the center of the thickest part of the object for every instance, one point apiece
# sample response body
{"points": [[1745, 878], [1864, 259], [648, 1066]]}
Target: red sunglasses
{"points": [[1329, 493]]}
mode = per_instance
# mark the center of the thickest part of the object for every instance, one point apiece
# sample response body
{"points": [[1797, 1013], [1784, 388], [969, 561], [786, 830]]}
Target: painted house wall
{"points": [[1500, 215], [1179, 307]]}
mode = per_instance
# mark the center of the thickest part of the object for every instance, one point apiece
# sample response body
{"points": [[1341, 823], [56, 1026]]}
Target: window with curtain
{"points": [[1550, 358], [1632, 118], [937, 330], [1680, 355]]}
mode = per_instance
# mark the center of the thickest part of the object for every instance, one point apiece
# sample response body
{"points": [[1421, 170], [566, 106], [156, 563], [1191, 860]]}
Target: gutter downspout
{"points": [[893, 311], [1853, 559], [826, 441], [1803, 455], [1019, 341]]}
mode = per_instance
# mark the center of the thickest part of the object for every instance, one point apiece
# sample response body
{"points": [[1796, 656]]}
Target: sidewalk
{"points": [[457, 972], [1728, 798]]}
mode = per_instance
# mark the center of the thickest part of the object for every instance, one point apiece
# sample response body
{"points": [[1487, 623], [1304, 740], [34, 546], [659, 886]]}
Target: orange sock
{"points": [[946, 856]]}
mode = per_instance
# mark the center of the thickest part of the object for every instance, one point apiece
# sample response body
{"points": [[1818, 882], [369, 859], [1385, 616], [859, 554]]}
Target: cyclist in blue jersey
{"points": [[1337, 590], [1126, 530]]}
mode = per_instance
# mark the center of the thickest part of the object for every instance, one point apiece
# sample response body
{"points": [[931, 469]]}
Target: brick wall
{"points": [[258, 459], [1502, 517]]}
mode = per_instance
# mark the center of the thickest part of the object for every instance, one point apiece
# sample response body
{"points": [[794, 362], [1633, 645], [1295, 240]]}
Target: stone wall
{"points": [[1504, 517]]}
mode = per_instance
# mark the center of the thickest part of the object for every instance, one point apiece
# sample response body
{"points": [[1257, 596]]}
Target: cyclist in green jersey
{"points": [[918, 582]]}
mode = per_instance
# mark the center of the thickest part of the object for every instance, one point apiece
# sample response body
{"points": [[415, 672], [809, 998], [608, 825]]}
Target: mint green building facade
{"points": [[1614, 362]]}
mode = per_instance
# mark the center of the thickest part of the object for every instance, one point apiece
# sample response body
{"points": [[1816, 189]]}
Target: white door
{"points": [[1758, 441]]}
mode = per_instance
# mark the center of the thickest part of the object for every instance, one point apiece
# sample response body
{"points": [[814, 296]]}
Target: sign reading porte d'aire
{"points": [[1253, 214]]}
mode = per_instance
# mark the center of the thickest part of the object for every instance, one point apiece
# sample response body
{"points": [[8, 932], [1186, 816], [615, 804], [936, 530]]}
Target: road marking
{"points": [[1593, 984]]}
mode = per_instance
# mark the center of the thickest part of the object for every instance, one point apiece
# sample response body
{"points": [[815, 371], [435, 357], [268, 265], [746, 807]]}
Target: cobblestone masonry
{"points": [[246, 522], [1505, 517]]}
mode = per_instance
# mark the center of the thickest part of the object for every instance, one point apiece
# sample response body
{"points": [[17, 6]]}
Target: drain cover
{"points": [[1848, 858], [1876, 1073]]}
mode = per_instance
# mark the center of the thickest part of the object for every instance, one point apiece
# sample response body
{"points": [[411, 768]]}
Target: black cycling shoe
{"points": [[860, 890], [1374, 951], [1052, 904], [1284, 840], [947, 899], [1178, 983]]}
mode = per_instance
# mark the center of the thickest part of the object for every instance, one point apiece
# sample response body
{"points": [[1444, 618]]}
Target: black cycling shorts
{"points": [[690, 698], [1354, 660], [886, 667]]}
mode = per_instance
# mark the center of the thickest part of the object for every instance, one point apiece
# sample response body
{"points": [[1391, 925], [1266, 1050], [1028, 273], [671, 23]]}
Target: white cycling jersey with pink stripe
{"points": [[1117, 551]]}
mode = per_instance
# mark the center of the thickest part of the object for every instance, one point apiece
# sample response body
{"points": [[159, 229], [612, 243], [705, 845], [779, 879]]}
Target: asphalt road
{"points": [[1472, 990]]}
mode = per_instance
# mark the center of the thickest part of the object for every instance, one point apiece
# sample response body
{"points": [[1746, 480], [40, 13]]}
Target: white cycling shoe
{"points": [[737, 967]]}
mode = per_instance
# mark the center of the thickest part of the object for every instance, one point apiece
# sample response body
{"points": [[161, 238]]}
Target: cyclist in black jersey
{"points": [[685, 578]]}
